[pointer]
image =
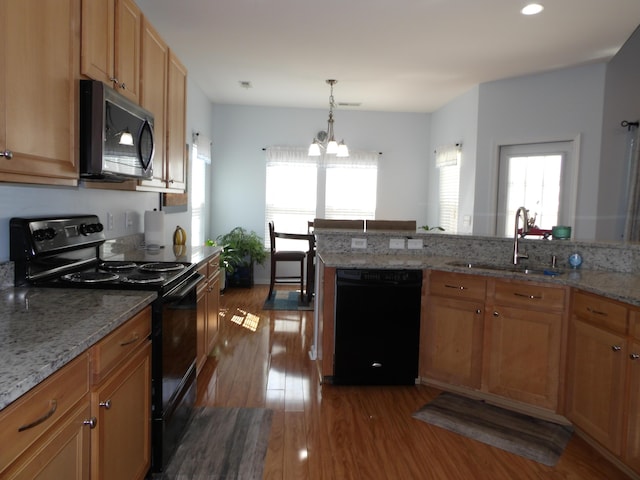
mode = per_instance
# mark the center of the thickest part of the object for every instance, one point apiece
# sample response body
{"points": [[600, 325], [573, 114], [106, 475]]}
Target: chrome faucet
{"points": [[525, 228]]}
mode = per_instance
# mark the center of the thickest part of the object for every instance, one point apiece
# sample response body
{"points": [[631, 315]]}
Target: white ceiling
{"points": [[387, 55]]}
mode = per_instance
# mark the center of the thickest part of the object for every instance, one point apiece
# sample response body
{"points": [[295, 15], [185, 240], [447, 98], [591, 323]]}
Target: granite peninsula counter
{"points": [[43, 329], [624, 287]]}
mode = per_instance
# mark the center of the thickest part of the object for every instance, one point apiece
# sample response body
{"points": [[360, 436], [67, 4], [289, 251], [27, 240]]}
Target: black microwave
{"points": [[116, 135]]}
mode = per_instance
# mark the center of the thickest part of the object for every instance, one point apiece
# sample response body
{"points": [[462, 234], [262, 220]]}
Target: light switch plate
{"points": [[358, 243], [414, 244], [396, 243]]}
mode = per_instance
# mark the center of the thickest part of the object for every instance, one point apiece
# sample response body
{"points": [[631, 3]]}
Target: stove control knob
{"points": [[49, 233], [38, 235], [85, 229], [99, 227]]}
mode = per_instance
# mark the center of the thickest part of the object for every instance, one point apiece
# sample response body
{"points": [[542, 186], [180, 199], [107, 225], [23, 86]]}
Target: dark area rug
{"points": [[523, 435], [286, 300], [222, 444]]}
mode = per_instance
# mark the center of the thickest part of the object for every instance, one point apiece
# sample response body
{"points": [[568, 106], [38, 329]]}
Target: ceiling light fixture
{"points": [[331, 147], [532, 9]]}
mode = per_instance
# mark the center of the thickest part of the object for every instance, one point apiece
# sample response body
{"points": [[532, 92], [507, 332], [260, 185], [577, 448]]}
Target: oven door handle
{"points": [[183, 289]]}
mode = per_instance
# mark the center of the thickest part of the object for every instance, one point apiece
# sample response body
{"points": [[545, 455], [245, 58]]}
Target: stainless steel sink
{"points": [[525, 269]]}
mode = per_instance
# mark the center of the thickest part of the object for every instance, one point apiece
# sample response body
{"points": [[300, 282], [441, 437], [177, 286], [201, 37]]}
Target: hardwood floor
{"points": [[321, 431]]}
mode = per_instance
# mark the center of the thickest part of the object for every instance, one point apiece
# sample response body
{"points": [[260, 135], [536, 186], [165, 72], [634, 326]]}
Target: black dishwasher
{"points": [[377, 326]]}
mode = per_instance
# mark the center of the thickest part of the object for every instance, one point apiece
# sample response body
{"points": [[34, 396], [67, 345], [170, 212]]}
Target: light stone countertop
{"points": [[42, 329], [624, 287]]}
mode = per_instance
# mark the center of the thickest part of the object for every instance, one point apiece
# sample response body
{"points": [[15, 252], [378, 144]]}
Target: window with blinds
{"points": [[300, 188], [448, 165]]}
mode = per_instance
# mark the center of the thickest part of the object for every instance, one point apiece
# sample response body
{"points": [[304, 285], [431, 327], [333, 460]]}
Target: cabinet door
{"points": [[213, 307], [633, 422], [176, 124], [122, 404], [451, 341], [128, 21], [39, 70], [98, 27], [153, 95], [63, 454], [523, 355], [201, 326], [595, 382]]}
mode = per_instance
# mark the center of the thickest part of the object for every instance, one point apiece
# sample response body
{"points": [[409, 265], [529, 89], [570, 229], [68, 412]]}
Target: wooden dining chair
{"points": [[285, 256]]}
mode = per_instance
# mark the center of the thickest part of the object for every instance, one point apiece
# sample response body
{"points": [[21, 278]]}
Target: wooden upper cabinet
{"points": [[39, 71], [111, 44], [176, 124], [154, 56]]}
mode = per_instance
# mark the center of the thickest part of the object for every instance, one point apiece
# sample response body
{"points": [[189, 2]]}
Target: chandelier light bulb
{"points": [[343, 150], [314, 149]]}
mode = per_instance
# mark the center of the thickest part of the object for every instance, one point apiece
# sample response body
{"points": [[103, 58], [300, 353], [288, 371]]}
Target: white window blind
{"points": [[201, 154], [448, 164], [300, 188]]}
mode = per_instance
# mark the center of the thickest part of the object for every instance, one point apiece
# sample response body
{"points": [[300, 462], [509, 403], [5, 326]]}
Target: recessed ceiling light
{"points": [[532, 9]]}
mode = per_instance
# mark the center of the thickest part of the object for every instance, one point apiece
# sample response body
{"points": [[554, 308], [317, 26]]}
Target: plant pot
{"points": [[242, 276]]}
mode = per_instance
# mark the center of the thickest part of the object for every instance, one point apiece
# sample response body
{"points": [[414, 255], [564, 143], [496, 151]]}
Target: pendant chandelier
{"points": [[326, 140]]}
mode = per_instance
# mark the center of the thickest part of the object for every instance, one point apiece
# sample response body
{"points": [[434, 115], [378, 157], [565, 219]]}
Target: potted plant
{"points": [[243, 250], [229, 258]]}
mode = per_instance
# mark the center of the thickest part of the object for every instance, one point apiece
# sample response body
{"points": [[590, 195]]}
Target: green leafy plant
{"points": [[430, 229], [243, 248], [229, 257]]}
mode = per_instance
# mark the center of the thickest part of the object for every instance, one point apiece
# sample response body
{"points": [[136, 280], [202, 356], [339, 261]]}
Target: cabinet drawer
{"points": [[600, 311], [214, 265], [529, 294], [457, 285], [33, 414], [116, 347]]}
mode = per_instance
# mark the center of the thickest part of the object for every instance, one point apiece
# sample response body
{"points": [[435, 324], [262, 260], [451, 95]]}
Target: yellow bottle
{"points": [[179, 236]]}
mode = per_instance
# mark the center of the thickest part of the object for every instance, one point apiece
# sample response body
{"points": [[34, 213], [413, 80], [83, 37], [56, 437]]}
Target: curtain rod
{"points": [[630, 125], [265, 148]]}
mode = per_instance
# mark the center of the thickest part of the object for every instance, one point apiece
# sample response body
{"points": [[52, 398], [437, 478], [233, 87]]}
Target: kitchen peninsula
{"points": [[563, 346]]}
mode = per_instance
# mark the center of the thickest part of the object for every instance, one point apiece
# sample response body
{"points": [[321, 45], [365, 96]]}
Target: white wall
{"points": [[456, 122], [622, 102], [560, 105], [240, 133]]}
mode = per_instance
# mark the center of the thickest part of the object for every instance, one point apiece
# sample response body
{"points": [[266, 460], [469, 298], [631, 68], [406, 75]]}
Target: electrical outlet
{"points": [[414, 244], [109, 221], [396, 243], [358, 243]]}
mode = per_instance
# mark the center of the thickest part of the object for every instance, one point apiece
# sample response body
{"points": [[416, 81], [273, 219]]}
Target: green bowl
{"points": [[561, 232]]}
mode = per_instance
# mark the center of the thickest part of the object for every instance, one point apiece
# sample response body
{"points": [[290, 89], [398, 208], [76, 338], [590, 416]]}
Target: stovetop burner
{"points": [[115, 266], [90, 277], [161, 267], [143, 278]]}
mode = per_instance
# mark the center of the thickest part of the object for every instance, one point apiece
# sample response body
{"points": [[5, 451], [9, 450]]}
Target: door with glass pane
{"points": [[538, 177]]}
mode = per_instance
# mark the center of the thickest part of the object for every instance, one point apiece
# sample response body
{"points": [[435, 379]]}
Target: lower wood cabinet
{"points": [[523, 335], [452, 329], [632, 447], [208, 308], [121, 440]]}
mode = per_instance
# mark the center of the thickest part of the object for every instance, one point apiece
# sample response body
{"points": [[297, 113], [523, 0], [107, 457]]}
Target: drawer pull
{"points": [[92, 422], [38, 421], [8, 154], [597, 312], [106, 404], [634, 356], [478, 311], [129, 342], [616, 348], [530, 297], [462, 287]]}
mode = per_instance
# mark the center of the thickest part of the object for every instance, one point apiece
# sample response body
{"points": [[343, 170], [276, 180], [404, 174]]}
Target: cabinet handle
{"points": [[92, 422], [478, 311], [38, 421], [129, 342], [496, 314], [616, 348], [525, 295], [461, 287], [8, 154], [597, 312], [634, 356], [106, 404]]}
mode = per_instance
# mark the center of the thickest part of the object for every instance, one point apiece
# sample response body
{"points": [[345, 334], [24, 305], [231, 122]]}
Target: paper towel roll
{"points": [[154, 228]]}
